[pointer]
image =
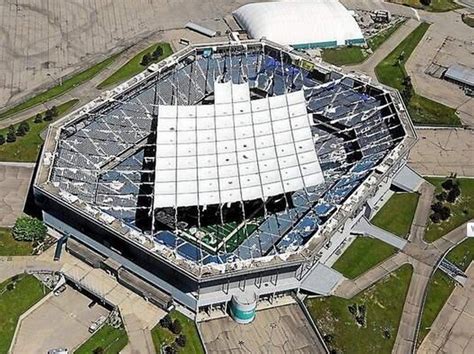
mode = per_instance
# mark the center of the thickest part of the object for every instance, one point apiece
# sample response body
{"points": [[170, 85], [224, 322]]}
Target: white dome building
{"points": [[302, 24]]}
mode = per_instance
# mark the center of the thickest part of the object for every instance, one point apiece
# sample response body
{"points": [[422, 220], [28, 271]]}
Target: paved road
{"points": [[420, 220]]}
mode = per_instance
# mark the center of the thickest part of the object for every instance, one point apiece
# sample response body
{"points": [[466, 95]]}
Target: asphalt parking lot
{"points": [[281, 329], [60, 322]]}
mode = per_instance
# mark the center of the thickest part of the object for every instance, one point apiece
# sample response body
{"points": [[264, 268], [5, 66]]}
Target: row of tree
{"points": [[176, 328], [449, 195], [150, 58], [23, 128]]}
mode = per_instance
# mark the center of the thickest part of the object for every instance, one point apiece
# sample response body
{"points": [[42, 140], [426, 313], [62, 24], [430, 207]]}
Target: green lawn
{"points": [[384, 304], [111, 340], [461, 211], [26, 148], [10, 247], [162, 336], [344, 55], [391, 71], [67, 85], [355, 54], [439, 289], [397, 214], [441, 286], [13, 303], [363, 254], [133, 66], [435, 6]]}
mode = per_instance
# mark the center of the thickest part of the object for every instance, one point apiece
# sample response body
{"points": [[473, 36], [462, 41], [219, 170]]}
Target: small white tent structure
{"points": [[302, 24]]}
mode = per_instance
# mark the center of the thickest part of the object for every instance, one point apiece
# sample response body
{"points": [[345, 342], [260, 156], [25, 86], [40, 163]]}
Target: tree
{"points": [[445, 213], [146, 60], [54, 111], [2, 139], [448, 184], [453, 194], [176, 327], [11, 129], [98, 350], [25, 126], [442, 196], [181, 340], [20, 131], [425, 2], [11, 137], [29, 229], [170, 350], [157, 53], [38, 118], [48, 116], [435, 218], [166, 321], [436, 207]]}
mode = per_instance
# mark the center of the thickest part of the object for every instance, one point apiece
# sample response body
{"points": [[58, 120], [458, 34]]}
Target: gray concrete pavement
{"points": [[422, 212], [59, 322], [442, 152], [277, 330], [14, 186], [451, 331]]}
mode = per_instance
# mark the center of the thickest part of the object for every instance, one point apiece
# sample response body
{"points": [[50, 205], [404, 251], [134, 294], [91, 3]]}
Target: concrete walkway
{"points": [[365, 227]]}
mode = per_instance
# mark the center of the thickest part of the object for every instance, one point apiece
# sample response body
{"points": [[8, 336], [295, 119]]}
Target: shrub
{"points": [[54, 111], [98, 350], [157, 53], [146, 60], [181, 340], [453, 194], [445, 213], [436, 207], [48, 116], [29, 229], [25, 126], [11, 137], [166, 321], [38, 118], [442, 196], [176, 327], [20, 131], [2, 139], [448, 184], [170, 350], [435, 218]]}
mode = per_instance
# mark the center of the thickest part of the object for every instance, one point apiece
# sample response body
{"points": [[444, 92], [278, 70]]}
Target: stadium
{"points": [[225, 174]]}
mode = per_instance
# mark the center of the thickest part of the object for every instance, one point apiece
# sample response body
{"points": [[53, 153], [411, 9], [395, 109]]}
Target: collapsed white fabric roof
{"points": [[235, 150], [299, 22]]}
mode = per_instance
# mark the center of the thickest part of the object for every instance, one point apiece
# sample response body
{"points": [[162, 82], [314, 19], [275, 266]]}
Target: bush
{"points": [[442, 196], [11, 137], [38, 118], [453, 194], [181, 340], [436, 207], [445, 213], [20, 131], [435, 218], [48, 116], [29, 229], [157, 53], [146, 60], [176, 327], [98, 350], [2, 139], [54, 111], [25, 126], [166, 321], [170, 350], [448, 184]]}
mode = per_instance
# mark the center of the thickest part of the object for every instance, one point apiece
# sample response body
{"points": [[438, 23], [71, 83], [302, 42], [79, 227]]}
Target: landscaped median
{"points": [[367, 323], [391, 71], [136, 65], [458, 212], [171, 331], [26, 147], [56, 91], [17, 295], [107, 340]]}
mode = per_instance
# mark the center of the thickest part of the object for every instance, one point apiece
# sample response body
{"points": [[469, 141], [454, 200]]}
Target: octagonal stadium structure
{"points": [[225, 169]]}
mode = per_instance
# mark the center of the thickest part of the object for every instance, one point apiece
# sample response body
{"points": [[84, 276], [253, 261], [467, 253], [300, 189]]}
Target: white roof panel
{"points": [[228, 153], [299, 22]]}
